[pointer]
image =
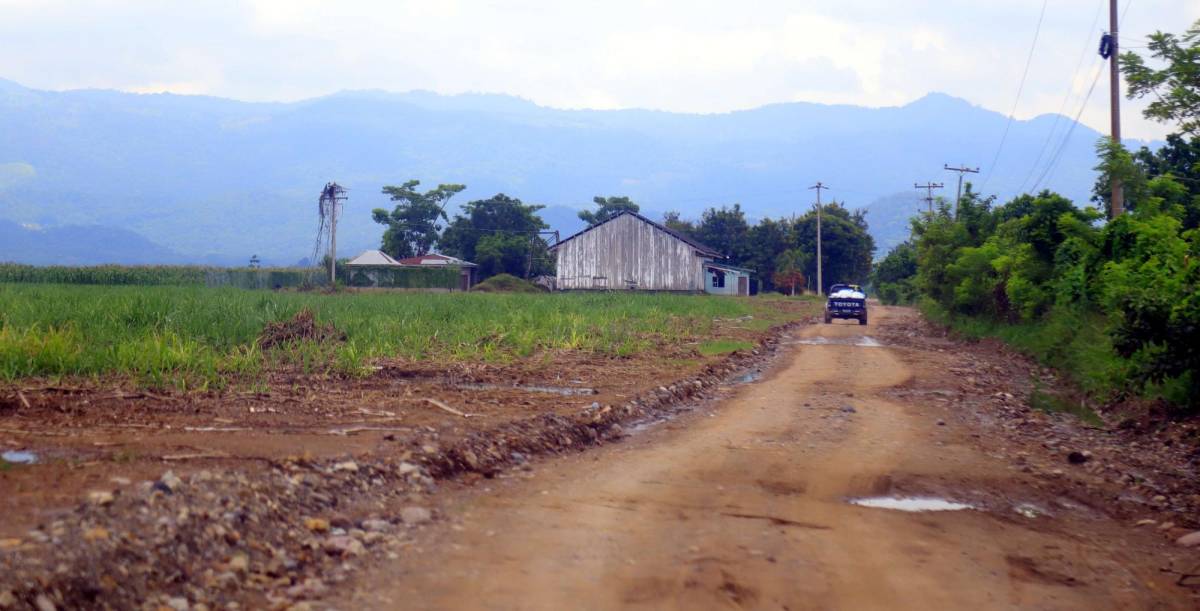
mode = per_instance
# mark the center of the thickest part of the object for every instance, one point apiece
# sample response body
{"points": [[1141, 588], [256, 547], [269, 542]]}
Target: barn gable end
{"points": [[630, 251]]}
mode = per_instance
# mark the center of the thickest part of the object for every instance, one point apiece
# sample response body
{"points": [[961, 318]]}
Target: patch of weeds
{"points": [[1053, 404], [5, 466], [124, 456], [715, 347]]}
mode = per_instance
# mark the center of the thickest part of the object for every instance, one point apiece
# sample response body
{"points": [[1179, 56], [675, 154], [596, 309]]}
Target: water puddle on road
{"points": [[565, 391], [748, 377], [863, 341], [913, 503], [19, 457]]}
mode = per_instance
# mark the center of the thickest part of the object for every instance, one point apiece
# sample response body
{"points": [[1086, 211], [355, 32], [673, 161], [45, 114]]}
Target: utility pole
{"points": [[820, 278], [331, 200], [929, 187], [961, 171], [1114, 79]]}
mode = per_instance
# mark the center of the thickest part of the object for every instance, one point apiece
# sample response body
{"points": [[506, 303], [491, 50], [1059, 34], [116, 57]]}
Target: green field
{"points": [[190, 337]]}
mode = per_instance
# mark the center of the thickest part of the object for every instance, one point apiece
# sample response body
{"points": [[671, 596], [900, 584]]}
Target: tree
{"points": [[789, 269], [412, 226], [674, 221], [1117, 163], [725, 229], [609, 207], [846, 245], [500, 234], [1176, 87], [893, 277]]}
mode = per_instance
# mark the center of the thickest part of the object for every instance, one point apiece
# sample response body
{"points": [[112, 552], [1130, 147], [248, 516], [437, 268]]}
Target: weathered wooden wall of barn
{"points": [[627, 250]]}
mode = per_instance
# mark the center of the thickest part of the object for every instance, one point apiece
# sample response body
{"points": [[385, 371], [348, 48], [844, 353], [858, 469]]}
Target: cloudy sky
{"points": [[683, 55]]}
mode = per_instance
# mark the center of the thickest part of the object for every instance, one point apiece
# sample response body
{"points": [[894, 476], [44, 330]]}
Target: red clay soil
{"points": [[356, 449]]}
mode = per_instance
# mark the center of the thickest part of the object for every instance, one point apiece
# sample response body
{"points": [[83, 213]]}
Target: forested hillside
{"points": [[194, 174]]}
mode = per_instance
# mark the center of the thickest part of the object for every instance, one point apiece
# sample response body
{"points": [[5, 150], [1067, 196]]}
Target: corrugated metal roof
{"points": [[373, 258], [704, 250], [436, 259]]}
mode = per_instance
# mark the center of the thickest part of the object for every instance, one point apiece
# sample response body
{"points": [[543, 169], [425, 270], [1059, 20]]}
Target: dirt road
{"points": [[744, 504]]}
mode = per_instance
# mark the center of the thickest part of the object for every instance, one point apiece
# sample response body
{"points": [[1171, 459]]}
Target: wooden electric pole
{"points": [[1114, 78], [929, 187], [820, 277], [961, 171]]}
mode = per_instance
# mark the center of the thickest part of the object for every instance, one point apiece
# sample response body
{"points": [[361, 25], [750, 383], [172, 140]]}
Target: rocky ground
{"points": [[250, 500], [1134, 465]]}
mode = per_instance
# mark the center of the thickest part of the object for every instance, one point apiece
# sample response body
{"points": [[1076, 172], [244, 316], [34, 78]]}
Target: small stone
{"points": [[1078, 458], [170, 481], [95, 534], [239, 563], [406, 467], [848, 409], [178, 603], [1165, 526], [120, 481], [413, 515], [349, 466], [941, 422], [343, 546], [317, 525], [10, 543], [1158, 498], [101, 497], [7, 599], [1146, 522], [43, 603], [1191, 539], [376, 526]]}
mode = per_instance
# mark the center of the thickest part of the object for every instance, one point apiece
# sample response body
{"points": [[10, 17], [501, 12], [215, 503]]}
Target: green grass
{"points": [[722, 346], [194, 337]]}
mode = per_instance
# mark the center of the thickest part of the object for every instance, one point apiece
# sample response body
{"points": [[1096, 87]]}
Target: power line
{"points": [[1049, 171], [1050, 167], [1066, 98], [1020, 88]]}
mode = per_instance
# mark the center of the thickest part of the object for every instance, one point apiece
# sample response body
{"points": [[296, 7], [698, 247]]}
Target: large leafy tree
{"points": [[846, 245], [413, 225], [726, 230], [767, 240], [608, 207], [500, 234], [1176, 86]]}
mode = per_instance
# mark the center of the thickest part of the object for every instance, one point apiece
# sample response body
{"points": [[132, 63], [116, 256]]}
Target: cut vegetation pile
{"points": [[303, 327]]}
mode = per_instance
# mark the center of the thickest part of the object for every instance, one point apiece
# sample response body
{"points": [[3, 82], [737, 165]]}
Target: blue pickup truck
{"points": [[846, 301]]}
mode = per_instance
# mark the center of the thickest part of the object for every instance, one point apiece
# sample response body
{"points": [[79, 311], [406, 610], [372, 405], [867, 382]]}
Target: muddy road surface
{"points": [[745, 504]]}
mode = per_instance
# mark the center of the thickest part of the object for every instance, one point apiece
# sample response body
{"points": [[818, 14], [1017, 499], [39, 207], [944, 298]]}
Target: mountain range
{"points": [[91, 176]]}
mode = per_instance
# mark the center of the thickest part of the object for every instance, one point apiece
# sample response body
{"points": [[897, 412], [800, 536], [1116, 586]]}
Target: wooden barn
{"points": [[632, 252]]}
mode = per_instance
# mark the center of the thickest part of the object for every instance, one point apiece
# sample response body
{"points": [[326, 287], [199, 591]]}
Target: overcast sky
{"points": [[683, 55]]}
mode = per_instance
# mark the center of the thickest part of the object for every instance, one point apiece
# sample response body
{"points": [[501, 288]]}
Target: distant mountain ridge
{"points": [[217, 180]]}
